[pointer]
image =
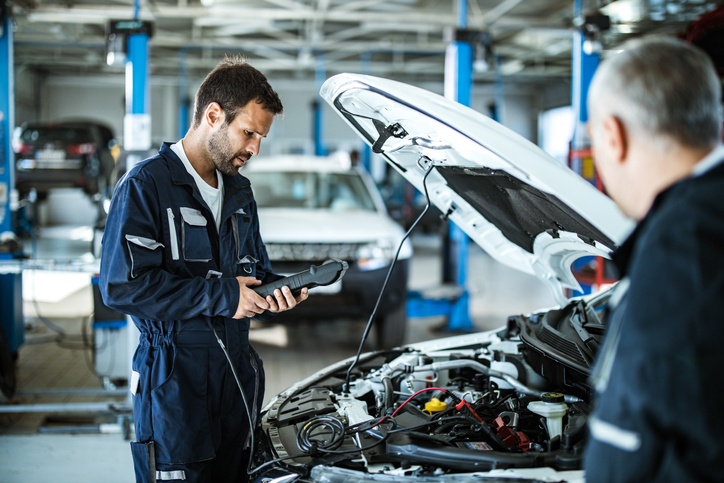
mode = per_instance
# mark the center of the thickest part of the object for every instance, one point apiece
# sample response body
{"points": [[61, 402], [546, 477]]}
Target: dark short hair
{"points": [[233, 84]]}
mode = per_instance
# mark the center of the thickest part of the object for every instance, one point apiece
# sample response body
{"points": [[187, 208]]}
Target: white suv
{"points": [[312, 209]]}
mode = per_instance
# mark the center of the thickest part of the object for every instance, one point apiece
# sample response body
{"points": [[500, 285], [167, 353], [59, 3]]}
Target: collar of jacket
{"points": [[622, 255], [236, 187]]}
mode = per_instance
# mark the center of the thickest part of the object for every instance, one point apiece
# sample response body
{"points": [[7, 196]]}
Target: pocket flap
{"points": [[193, 217], [143, 242], [248, 259]]}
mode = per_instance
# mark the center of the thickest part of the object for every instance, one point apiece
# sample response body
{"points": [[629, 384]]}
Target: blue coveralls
{"points": [[164, 264]]}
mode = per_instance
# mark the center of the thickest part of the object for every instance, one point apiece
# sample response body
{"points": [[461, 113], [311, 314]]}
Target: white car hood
{"points": [[289, 225], [519, 204]]}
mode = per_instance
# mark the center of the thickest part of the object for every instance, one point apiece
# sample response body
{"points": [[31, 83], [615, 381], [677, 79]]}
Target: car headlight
{"points": [[372, 256]]}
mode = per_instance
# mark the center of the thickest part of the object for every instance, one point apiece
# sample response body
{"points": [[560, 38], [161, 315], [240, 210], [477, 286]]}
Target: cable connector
{"points": [[313, 450], [511, 437], [464, 404]]}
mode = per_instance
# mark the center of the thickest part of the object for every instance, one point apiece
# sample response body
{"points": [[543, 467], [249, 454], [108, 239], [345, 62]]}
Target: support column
{"points": [[11, 300], [7, 122], [137, 121], [320, 75], [499, 89], [184, 102], [458, 86], [136, 124], [366, 68], [584, 65]]}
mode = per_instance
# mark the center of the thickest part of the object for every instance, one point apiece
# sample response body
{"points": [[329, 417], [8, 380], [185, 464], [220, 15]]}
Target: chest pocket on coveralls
{"points": [[195, 241], [245, 250]]}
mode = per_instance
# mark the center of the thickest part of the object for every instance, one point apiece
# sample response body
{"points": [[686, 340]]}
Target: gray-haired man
{"points": [[655, 124]]}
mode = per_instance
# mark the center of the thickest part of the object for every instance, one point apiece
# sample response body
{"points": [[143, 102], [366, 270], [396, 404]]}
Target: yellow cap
{"points": [[435, 406]]}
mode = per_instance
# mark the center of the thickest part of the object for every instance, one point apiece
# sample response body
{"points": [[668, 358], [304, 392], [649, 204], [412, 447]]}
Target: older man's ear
{"points": [[615, 138]]}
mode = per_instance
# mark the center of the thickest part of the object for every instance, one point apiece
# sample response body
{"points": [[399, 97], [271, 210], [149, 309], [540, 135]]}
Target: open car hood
{"points": [[519, 204]]}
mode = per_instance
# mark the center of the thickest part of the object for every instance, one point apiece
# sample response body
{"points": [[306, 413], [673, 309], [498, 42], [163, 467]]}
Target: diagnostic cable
{"points": [[428, 170]]}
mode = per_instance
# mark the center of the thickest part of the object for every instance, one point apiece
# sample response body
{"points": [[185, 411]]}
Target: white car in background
{"points": [[312, 209]]}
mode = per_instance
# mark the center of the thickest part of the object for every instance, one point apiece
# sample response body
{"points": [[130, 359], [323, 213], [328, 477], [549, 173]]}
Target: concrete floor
{"points": [[31, 449]]}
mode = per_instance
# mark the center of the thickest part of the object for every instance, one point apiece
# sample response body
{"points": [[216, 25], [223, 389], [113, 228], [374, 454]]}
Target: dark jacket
{"points": [[164, 264], [660, 375]]}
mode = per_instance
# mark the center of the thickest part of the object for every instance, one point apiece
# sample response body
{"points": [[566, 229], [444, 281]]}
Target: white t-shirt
{"points": [[214, 197]]}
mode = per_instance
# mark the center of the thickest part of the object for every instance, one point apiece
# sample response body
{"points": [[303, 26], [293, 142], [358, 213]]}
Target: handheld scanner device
{"points": [[316, 276]]}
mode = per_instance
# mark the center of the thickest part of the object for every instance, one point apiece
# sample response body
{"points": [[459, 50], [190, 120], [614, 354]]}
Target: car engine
{"points": [[471, 403]]}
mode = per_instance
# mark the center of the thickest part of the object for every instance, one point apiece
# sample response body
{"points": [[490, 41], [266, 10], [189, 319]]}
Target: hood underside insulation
{"points": [[520, 211]]}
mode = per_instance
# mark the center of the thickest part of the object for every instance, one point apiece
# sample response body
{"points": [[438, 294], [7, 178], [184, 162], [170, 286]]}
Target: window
{"points": [[310, 190]]}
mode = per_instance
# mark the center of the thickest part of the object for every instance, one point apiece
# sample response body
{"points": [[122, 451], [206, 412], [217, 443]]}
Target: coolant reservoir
{"points": [[434, 405], [551, 407]]}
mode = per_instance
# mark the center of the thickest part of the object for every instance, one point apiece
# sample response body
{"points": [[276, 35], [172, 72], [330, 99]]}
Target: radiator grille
{"points": [[313, 252]]}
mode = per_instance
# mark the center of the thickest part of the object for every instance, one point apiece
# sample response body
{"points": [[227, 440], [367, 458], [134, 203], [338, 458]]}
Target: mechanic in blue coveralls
{"points": [[181, 253], [655, 125]]}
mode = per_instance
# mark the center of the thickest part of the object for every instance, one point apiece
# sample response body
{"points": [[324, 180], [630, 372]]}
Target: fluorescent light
{"points": [[512, 67]]}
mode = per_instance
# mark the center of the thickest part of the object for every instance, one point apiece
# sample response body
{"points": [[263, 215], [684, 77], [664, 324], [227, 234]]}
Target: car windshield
{"points": [[64, 135], [310, 190]]}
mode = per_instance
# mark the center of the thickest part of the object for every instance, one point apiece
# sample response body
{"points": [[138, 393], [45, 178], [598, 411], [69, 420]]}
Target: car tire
{"points": [[391, 328]]}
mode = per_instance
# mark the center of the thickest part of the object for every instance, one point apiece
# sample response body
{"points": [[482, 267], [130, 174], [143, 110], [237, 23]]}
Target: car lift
{"points": [[11, 310], [137, 136], [453, 302], [586, 58]]}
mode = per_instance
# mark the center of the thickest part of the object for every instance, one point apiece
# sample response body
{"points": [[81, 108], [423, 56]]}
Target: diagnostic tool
{"points": [[316, 276]]}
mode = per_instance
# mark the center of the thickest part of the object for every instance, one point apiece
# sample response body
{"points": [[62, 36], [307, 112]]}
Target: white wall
{"points": [[27, 82], [97, 98], [102, 98]]}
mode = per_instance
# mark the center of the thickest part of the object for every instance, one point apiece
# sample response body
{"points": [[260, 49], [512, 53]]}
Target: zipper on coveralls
{"points": [[172, 232], [256, 396]]}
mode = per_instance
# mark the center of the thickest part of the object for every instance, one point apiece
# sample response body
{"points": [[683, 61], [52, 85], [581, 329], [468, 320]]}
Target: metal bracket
{"points": [[386, 132], [424, 162]]}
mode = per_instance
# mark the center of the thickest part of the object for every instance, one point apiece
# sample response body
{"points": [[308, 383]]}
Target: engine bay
{"points": [[472, 403]]}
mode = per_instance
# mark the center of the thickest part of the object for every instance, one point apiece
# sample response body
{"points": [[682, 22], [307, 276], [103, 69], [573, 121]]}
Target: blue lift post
{"points": [[11, 297], [499, 90], [320, 75], [184, 103], [137, 141], [455, 254], [137, 76], [7, 123], [137, 120], [459, 319], [366, 69], [584, 67]]}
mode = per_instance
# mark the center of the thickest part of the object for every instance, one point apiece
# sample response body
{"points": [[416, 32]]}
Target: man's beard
{"points": [[221, 153]]}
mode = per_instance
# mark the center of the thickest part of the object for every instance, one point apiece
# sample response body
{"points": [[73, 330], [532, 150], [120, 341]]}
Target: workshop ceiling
{"points": [[402, 39]]}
